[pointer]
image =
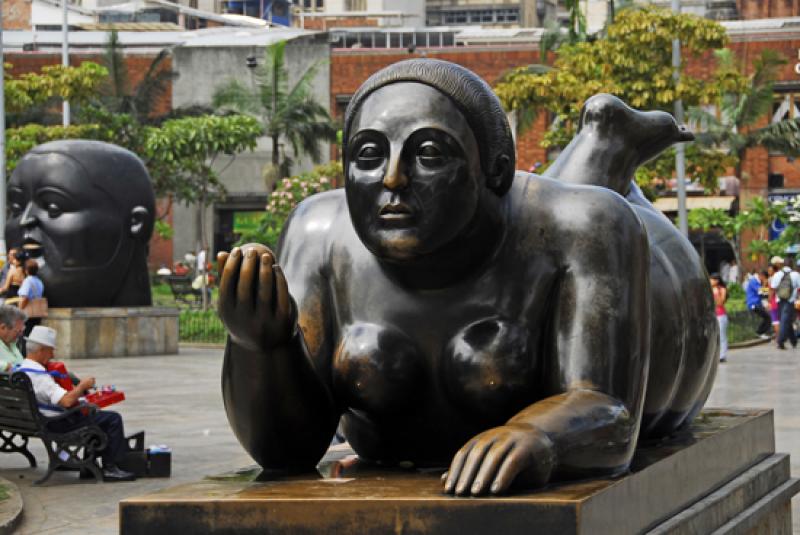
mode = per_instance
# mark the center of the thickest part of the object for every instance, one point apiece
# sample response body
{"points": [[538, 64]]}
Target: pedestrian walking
{"points": [[785, 283], [720, 292], [753, 300]]}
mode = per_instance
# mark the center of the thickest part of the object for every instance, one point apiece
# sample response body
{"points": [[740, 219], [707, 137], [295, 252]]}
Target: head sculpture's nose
{"points": [[28, 219]]}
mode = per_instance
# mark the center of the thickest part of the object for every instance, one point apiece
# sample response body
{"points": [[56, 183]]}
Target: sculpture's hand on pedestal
{"points": [[496, 458], [254, 301]]}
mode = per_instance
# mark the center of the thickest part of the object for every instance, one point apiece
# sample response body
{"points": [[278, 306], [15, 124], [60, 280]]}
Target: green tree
{"points": [[756, 217], [118, 95], [31, 97], [288, 114], [733, 127], [188, 148], [633, 60]]}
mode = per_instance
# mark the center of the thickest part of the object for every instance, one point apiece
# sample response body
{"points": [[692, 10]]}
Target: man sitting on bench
{"points": [[52, 398]]}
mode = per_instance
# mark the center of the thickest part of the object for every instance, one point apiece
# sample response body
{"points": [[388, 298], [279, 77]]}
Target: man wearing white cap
{"points": [[785, 282], [52, 399]]}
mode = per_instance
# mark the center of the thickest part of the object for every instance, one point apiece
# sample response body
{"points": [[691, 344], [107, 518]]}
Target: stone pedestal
{"points": [[114, 332], [722, 474]]}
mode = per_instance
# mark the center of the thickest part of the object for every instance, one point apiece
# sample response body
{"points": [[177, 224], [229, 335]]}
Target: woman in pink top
{"points": [[720, 296]]}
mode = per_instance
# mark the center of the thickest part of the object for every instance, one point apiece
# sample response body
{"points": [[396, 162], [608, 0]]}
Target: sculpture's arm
{"points": [[277, 402], [589, 425]]}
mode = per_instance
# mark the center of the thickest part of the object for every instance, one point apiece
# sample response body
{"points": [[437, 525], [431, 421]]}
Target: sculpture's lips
{"points": [[32, 247], [396, 213]]}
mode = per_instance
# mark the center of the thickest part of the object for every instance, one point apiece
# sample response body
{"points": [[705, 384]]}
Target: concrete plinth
{"points": [[114, 332], [722, 474]]}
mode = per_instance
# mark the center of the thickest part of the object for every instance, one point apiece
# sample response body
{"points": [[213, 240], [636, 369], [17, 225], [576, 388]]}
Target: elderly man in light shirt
{"points": [[52, 398], [12, 324]]}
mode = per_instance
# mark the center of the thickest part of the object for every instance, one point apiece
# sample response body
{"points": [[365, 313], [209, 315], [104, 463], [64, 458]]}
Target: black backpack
{"points": [[785, 288]]}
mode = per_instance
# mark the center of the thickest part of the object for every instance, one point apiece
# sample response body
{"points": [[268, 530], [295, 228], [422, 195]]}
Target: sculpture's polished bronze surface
{"points": [[451, 311], [84, 210]]}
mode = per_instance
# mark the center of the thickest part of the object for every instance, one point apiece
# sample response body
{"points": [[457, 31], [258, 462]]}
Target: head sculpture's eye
{"points": [[431, 154], [15, 208], [54, 202], [53, 210], [369, 156]]}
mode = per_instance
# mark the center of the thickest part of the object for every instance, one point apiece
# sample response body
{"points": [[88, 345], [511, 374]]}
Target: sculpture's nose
{"points": [[28, 219], [396, 176]]}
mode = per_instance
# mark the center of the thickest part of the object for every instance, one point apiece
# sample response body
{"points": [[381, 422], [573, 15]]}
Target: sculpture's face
{"points": [[73, 228], [413, 175]]}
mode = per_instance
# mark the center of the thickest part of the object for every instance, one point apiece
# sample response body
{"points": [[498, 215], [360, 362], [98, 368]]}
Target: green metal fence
{"points": [[742, 326], [199, 326]]}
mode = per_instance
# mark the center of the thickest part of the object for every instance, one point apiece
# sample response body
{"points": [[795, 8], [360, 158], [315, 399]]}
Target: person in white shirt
{"points": [[786, 308], [52, 399]]}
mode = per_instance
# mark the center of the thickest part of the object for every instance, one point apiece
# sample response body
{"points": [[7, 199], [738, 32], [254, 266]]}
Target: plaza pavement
{"points": [[177, 400]]}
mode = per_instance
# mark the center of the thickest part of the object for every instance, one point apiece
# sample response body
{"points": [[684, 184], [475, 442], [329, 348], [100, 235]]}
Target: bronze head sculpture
{"points": [[84, 210], [451, 312]]}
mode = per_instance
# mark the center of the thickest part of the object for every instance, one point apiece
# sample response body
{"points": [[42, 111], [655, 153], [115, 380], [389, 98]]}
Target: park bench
{"points": [[181, 287], [20, 420]]}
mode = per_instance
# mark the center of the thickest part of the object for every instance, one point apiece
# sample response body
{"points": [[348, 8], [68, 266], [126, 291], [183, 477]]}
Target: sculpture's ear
{"points": [[496, 181], [141, 222]]}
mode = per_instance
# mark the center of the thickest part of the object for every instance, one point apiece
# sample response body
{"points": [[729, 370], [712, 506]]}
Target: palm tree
{"points": [[288, 114], [733, 129], [139, 102]]}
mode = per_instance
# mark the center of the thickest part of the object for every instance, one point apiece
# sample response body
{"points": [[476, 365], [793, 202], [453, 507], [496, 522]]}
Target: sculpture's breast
{"points": [[377, 369], [490, 367]]}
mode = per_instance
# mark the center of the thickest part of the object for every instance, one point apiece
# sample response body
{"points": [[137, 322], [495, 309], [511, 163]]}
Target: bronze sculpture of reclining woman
{"points": [[453, 312]]}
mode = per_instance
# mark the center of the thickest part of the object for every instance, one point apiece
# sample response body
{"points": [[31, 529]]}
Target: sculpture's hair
{"points": [[9, 315], [473, 97]]}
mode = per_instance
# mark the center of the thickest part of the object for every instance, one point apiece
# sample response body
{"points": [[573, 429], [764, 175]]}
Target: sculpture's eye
{"points": [[55, 202], [15, 208], [369, 156], [53, 210], [431, 154], [16, 201]]}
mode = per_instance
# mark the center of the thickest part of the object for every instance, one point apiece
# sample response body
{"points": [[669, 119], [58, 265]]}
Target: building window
{"points": [[481, 16], [355, 5]]}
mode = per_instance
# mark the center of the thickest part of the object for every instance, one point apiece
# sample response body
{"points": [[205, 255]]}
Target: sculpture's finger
{"points": [[264, 301], [456, 465], [471, 466], [283, 306], [247, 276], [229, 277], [222, 256], [509, 470], [490, 465]]}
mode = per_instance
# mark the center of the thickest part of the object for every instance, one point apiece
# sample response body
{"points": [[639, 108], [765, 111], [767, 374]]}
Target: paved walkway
{"points": [[177, 401]]}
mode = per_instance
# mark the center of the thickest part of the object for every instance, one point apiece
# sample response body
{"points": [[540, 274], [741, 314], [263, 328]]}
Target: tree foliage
{"points": [[188, 148], [288, 114], [30, 95], [756, 217], [633, 61]]}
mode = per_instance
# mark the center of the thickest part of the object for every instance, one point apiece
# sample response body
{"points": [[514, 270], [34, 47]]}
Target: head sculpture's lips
{"points": [[396, 213], [32, 247]]}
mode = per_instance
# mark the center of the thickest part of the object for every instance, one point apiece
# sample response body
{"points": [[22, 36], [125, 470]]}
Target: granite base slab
{"points": [[670, 489], [114, 331]]}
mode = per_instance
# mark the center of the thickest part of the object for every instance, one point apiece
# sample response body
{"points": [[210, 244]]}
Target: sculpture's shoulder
{"points": [[573, 208], [310, 225]]}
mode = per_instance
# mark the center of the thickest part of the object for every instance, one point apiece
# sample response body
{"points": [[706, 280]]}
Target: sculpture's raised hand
{"points": [[254, 302], [496, 458]]}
